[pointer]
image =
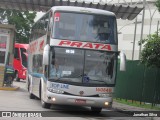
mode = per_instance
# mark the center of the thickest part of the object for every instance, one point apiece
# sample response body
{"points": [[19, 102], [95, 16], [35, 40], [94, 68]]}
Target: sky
{"points": [[39, 14]]}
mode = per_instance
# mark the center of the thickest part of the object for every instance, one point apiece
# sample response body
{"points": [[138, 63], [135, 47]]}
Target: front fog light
{"points": [[106, 103], [53, 99]]}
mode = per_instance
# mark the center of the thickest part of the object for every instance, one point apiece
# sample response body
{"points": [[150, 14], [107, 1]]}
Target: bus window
{"points": [[92, 28], [24, 57], [16, 54]]}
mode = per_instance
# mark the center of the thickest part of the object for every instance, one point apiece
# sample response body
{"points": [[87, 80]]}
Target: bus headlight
{"points": [[106, 103], [105, 95], [55, 91], [24, 72]]}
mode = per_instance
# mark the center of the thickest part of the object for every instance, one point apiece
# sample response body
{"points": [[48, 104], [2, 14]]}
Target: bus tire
{"points": [[96, 110], [16, 77], [45, 105], [28, 85], [31, 96]]}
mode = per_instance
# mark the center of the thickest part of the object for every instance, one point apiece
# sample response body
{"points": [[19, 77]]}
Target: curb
{"points": [[12, 88]]}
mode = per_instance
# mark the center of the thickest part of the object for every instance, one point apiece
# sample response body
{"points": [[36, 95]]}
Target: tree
{"points": [[23, 22], [158, 5], [150, 55]]}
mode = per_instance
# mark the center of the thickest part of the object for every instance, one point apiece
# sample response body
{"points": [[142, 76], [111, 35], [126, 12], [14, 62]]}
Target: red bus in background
{"points": [[20, 61]]}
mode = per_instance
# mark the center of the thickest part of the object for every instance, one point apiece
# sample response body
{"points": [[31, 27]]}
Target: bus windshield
{"points": [[81, 66], [24, 57], [85, 27]]}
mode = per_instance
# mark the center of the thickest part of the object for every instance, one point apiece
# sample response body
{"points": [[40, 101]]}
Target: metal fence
{"points": [[138, 83]]}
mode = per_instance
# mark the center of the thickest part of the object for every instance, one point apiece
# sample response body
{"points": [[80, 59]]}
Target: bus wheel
{"points": [[31, 96], [96, 110], [16, 77], [28, 85], [45, 105]]}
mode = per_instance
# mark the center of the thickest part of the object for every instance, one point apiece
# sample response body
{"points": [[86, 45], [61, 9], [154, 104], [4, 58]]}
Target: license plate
{"points": [[80, 101]]}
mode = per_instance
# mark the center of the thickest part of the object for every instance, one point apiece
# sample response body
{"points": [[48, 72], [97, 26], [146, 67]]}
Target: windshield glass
{"points": [[82, 66], [24, 57], [85, 27]]}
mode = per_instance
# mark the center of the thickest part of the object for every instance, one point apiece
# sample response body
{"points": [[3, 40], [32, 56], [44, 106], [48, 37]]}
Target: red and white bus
{"points": [[20, 61], [82, 41]]}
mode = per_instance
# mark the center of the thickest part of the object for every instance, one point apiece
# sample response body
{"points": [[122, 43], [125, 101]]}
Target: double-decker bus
{"points": [[73, 57], [20, 61]]}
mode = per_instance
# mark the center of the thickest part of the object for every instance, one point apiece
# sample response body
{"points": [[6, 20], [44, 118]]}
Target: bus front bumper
{"points": [[62, 99]]}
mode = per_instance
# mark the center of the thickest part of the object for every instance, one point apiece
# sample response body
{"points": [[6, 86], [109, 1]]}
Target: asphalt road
{"points": [[19, 101]]}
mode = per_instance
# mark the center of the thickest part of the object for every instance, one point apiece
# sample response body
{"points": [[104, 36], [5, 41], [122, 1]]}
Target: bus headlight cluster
{"points": [[105, 95], [24, 73], [55, 91]]}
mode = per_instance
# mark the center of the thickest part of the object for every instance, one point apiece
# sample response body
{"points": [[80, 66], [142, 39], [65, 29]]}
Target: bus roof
{"points": [[82, 10], [79, 10], [20, 45]]}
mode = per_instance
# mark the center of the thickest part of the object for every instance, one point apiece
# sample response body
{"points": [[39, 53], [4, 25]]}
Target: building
{"points": [[7, 35], [126, 29]]}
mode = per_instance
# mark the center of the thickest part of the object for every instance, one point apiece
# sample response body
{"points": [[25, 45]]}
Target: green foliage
{"points": [[158, 5], [23, 22], [150, 55]]}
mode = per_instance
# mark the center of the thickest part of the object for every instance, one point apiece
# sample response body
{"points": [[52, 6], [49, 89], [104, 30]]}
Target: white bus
{"points": [[73, 57]]}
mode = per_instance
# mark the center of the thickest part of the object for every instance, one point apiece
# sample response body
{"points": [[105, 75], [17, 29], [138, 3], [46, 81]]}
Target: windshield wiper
{"points": [[97, 80], [77, 76]]}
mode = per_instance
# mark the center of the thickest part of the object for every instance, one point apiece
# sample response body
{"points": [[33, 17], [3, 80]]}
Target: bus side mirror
{"points": [[122, 61], [46, 55]]}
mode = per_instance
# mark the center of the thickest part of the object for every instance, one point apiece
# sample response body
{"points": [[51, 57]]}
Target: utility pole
{"points": [[140, 47], [135, 30]]}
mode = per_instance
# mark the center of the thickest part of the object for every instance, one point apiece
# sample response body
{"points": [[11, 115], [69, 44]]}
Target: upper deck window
{"points": [[85, 27]]}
